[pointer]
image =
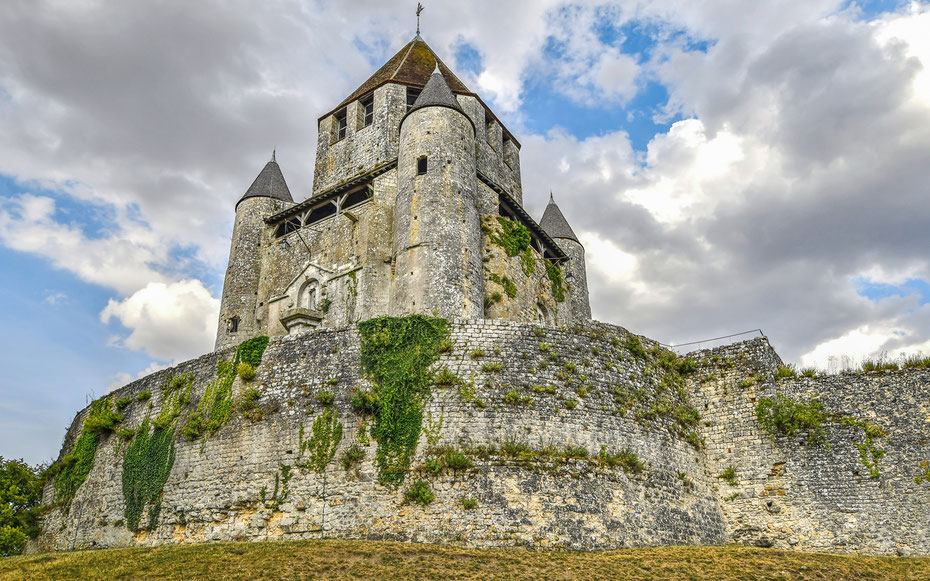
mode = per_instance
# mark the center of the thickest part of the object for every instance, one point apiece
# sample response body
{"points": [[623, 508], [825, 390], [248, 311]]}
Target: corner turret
{"points": [[555, 224], [267, 195]]}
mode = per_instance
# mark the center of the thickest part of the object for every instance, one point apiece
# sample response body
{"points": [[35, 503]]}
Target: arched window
{"points": [[232, 325], [541, 314], [306, 297]]}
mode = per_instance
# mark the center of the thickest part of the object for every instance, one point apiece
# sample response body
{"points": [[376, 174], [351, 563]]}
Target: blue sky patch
{"points": [[877, 291]]}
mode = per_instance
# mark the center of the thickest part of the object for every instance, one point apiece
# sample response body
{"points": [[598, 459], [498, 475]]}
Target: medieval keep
{"points": [[528, 423], [415, 180]]}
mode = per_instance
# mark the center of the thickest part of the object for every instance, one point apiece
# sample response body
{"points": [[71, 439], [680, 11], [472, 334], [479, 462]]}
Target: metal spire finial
{"points": [[551, 197], [419, 9], [273, 152]]}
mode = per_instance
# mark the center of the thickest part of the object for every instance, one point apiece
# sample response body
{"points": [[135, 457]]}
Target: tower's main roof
{"points": [[412, 65]]}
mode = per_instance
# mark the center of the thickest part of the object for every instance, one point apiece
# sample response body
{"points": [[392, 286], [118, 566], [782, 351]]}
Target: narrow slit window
{"points": [[341, 124], [233, 324], [368, 104], [421, 166]]}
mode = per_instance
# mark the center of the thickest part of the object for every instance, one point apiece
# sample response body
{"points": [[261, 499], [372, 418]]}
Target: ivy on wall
{"points": [[555, 277], [216, 405], [397, 353], [146, 467], [75, 466], [513, 237]]}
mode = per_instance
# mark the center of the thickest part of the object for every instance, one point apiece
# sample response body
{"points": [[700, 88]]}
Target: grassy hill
{"points": [[328, 559]]}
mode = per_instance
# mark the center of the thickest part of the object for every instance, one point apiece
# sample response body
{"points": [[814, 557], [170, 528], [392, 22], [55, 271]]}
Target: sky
{"points": [[728, 166]]}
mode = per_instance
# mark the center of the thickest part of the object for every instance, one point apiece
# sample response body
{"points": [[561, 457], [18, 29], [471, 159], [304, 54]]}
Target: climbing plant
{"points": [[396, 353], [513, 237], [216, 405], [76, 465], [555, 277], [146, 467], [326, 433]]}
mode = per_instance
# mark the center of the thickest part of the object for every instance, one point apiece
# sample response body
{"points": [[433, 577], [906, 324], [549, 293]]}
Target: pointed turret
{"points": [[554, 223], [436, 93], [556, 226], [269, 184]]}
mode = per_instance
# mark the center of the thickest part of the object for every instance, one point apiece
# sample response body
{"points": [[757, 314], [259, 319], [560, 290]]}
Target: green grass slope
{"points": [[332, 559]]}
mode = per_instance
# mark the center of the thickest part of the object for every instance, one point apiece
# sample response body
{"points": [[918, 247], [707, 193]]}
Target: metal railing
{"points": [[682, 348]]}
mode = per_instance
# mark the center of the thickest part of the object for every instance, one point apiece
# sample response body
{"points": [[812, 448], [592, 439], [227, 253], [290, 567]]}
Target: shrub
{"points": [[538, 331], [469, 503], [420, 493], [687, 365], [144, 395], [122, 402], [729, 475], [491, 367], [457, 460], [102, 418], [245, 371], [514, 397], [781, 415], [365, 401], [445, 346], [635, 347], [785, 371], [578, 452], [352, 457], [325, 397], [809, 372], [571, 404], [445, 378], [477, 353], [248, 403], [626, 459]]}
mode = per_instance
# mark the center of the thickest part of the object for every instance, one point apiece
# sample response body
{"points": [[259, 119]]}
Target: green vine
{"points": [[555, 277], [146, 467], [509, 287], [281, 489], [216, 405], [76, 465], [326, 433], [513, 237], [397, 353]]}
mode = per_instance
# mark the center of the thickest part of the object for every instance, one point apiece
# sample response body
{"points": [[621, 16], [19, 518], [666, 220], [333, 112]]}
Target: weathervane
{"points": [[419, 9]]}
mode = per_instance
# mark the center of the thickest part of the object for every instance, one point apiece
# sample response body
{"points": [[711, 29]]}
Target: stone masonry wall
{"points": [[791, 494], [592, 387], [569, 382]]}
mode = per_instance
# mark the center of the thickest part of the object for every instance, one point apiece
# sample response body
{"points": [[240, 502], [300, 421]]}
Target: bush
{"points": [[729, 475], [635, 347], [325, 397], [781, 415], [420, 493], [626, 459], [364, 401], [20, 495], [352, 457], [469, 503], [687, 365], [245, 371], [784, 372], [457, 460], [491, 367], [122, 402], [144, 395], [445, 378], [102, 418], [809, 372]]}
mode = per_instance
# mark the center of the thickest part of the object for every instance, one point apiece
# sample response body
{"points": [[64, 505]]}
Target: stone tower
{"points": [[238, 318], [437, 232], [415, 182], [554, 222]]}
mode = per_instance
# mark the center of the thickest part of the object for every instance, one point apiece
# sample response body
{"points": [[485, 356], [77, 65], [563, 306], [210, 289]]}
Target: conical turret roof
{"points": [[555, 224], [269, 184], [436, 93], [412, 65]]}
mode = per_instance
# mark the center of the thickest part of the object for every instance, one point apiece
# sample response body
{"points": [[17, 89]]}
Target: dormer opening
{"points": [[341, 124], [368, 109], [421, 165], [412, 94]]}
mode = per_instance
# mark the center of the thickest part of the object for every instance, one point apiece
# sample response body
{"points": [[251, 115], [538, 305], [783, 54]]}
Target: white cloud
{"points": [[168, 321], [55, 299]]}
